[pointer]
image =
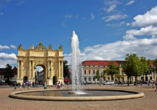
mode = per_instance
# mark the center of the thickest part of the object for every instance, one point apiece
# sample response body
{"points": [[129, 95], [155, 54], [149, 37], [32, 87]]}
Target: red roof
{"points": [[99, 62]]}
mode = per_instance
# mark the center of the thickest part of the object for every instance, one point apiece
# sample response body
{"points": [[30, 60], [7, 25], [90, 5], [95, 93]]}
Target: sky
{"points": [[107, 29]]}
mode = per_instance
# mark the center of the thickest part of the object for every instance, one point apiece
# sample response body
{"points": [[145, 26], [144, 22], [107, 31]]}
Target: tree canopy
{"points": [[113, 69], [8, 73], [65, 69]]}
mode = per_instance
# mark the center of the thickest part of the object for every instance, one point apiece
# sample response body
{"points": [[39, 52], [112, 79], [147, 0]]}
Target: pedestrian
{"points": [[148, 83], [14, 85], [156, 86], [45, 87], [57, 84], [68, 85], [24, 85], [61, 85], [153, 83]]}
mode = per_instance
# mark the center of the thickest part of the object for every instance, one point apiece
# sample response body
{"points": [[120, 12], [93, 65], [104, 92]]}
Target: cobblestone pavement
{"points": [[149, 102]]}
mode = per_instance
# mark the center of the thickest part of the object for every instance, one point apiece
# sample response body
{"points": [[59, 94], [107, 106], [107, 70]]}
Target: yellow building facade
{"points": [[51, 61], [92, 66]]}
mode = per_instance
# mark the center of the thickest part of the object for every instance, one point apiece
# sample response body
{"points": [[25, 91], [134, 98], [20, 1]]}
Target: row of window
{"points": [[89, 71], [90, 78], [92, 65]]}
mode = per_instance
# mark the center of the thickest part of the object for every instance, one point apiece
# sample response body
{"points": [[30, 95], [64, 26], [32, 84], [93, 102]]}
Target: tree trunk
{"points": [[128, 80], [136, 80]]}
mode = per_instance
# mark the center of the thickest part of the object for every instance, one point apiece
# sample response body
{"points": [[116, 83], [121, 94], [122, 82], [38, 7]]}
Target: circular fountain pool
{"points": [[91, 94]]}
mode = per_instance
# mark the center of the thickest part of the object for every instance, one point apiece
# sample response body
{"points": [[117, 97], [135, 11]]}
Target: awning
{"points": [[2, 80], [66, 80]]}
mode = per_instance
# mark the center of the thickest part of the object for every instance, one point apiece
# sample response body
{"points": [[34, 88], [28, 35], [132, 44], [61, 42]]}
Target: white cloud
{"points": [[4, 47], [1, 14], [77, 16], [128, 24], [149, 18], [92, 16], [114, 17], [150, 30], [111, 8], [118, 50], [20, 3], [68, 16], [63, 24], [116, 24], [7, 59], [130, 2], [110, 2], [13, 46], [121, 23], [39, 68], [83, 18], [129, 37]]}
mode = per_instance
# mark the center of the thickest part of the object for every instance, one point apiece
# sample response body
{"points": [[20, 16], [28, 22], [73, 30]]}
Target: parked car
{"points": [[13, 84], [108, 83]]}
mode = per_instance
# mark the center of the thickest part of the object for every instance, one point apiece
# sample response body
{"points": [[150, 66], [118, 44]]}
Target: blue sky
{"points": [[107, 29]]}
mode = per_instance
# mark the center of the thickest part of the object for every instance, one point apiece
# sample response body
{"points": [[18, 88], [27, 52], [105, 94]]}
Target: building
{"points": [[2, 70], [49, 59], [90, 67]]}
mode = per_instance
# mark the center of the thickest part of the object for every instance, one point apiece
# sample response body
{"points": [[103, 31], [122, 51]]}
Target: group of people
{"points": [[61, 85]]}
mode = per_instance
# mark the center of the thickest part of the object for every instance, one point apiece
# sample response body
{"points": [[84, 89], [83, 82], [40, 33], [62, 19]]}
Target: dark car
{"points": [[13, 84]]}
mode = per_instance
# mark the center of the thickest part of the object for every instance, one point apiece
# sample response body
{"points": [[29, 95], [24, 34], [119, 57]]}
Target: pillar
{"points": [[18, 67], [59, 68], [21, 70], [33, 74], [29, 69], [48, 69], [51, 69], [62, 69]]}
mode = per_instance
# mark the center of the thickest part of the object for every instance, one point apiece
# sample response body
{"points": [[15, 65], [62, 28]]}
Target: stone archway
{"points": [[51, 60]]}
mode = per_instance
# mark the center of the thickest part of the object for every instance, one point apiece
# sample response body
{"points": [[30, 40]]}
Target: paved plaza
{"points": [[149, 102]]}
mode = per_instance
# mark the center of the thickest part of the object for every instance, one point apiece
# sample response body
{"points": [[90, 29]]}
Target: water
{"points": [[76, 65]]}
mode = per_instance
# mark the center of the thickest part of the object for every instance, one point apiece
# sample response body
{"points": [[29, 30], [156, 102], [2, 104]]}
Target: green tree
{"points": [[155, 63], [65, 68], [145, 66], [97, 75], [8, 73], [133, 66], [113, 69], [118, 76]]}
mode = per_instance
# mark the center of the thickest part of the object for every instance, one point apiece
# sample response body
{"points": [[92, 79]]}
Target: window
{"points": [[93, 79], [93, 71], [84, 65], [84, 71], [84, 78], [104, 78], [89, 78], [98, 65], [108, 78], [89, 71], [89, 65], [93, 65]]}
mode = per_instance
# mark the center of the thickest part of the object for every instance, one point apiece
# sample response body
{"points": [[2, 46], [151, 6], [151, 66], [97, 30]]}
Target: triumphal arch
{"points": [[51, 61]]}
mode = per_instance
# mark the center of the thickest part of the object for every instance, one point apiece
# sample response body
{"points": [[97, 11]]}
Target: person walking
{"points": [[153, 83], [68, 85], [61, 85], [14, 85], [156, 86], [57, 84], [45, 87]]}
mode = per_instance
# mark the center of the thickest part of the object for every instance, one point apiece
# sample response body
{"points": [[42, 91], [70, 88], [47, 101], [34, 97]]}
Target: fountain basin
{"points": [[132, 94]]}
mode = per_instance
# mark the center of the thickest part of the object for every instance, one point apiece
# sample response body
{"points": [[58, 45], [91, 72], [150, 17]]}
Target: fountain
{"points": [[77, 93], [76, 66]]}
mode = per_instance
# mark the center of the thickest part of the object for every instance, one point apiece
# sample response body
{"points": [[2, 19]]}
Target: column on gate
{"points": [[48, 68], [29, 69], [33, 73], [59, 68], [18, 68], [62, 69], [21, 70], [51, 69]]}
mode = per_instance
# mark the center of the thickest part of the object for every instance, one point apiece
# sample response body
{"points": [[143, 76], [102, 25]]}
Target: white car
{"points": [[108, 83]]}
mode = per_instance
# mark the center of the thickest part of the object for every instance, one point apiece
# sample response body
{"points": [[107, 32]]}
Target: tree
{"points": [[118, 76], [97, 75], [133, 66], [113, 69], [65, 69], [145, 66], [8, 73]]}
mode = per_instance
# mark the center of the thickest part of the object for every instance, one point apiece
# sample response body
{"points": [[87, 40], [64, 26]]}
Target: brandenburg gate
{"points": [[51, 61]]}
